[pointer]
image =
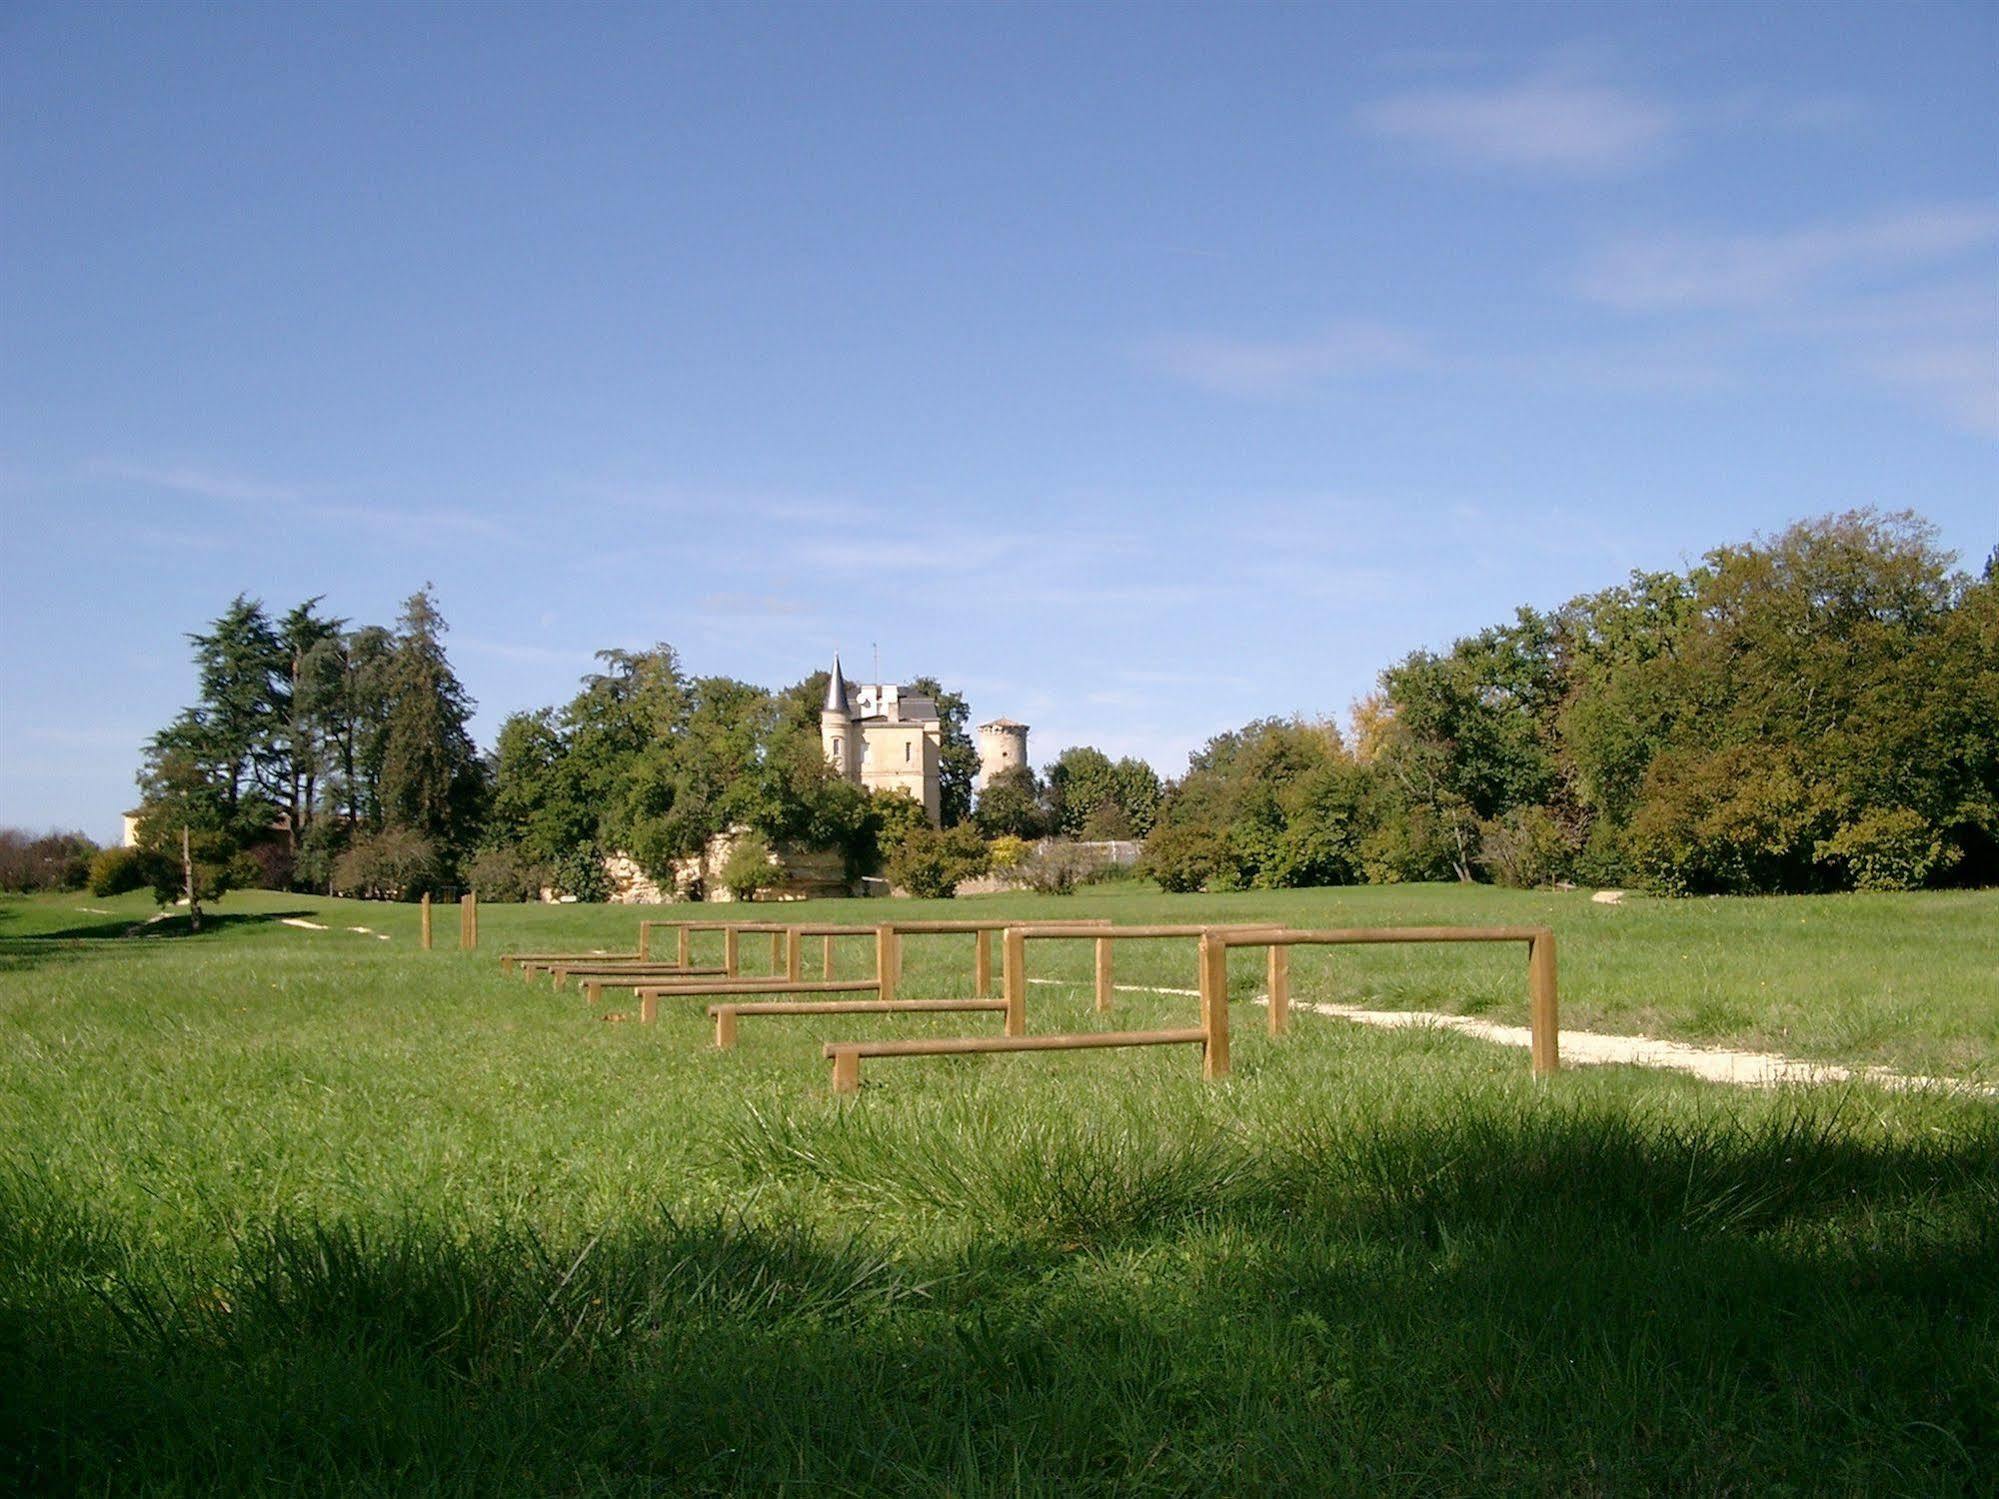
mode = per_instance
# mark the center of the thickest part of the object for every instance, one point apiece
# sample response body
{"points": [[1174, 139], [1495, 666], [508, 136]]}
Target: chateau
{"points": [[886, 738]]}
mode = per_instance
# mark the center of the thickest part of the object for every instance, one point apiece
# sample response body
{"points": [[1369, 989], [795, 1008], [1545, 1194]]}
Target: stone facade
{"points": [[883, 737]]}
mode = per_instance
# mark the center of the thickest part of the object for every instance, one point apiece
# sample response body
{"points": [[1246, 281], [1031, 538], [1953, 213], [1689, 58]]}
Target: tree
{"points": [[307, 708], [234, 727], [957, 755], [431, 778], [1010, 805], [190, 834]]}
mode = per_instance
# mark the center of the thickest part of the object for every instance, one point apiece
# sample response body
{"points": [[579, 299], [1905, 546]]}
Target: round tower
{"points": [[837, 733], [1002, 745]]}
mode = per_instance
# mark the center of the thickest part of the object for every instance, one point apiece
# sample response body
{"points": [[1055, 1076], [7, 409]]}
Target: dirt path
{"points": [[1715, 1064]]}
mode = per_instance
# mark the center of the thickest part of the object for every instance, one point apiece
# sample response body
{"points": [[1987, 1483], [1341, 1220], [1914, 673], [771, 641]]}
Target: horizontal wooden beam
{"points": [[1358, 936]]}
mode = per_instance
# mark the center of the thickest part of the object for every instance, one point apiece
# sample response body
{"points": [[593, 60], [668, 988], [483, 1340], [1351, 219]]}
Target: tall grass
{"points": [[306, 1211]]}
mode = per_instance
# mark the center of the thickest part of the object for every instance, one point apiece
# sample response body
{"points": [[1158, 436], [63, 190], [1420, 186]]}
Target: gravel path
{"points": [[1715, 1064]]}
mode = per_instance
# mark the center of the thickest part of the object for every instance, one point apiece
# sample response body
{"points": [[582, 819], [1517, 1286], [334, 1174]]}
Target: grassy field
{"points": [[312, 1210]]}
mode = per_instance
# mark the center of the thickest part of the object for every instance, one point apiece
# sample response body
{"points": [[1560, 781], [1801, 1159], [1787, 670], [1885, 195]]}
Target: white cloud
{"points": [[1546, 123], [1265, 368], [1675, 272]]}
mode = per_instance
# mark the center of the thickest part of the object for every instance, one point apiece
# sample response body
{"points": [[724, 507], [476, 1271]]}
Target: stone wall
{"points": [[802, 874]]}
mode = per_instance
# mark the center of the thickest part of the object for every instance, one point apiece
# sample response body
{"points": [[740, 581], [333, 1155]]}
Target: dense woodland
{"points": [[1817, 710]]}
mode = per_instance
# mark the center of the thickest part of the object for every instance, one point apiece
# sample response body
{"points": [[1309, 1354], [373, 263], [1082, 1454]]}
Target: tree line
{"points": [[1817, 710]]}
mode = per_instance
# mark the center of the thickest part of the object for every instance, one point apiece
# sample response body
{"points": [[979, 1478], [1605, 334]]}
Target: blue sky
{"points": [[1139, 369]]}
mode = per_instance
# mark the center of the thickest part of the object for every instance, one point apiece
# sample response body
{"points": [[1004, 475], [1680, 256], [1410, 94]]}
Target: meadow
{"points": [[316, 1211]]}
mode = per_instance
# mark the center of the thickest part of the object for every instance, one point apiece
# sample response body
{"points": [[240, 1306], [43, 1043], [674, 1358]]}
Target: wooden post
{"points": [[593, 991], [426, 921], [777, 952], [1214, 1006], [645, 940], [468, 923], [683, 952], [1103, 975], [826, 956], [648, 1008], [1016, 981], [1544, 1014], [1278, 981], [725, 1027], [884, 963], [732, 965], [982, 964], [846, 1072], [794, 955]]}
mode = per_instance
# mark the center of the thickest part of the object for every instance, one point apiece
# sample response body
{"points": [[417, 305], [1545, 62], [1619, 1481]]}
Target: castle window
{"points": [[905, 751]]}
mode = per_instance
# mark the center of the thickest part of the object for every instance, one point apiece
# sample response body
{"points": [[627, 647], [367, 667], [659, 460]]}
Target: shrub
{"points": [[505, 874], [1889, 848], [1006, 853], [52, 861], [1182, 857], [930, 861], [750, 868], [117, 870], [1525, 848], [1058, 867], [394, 864]]}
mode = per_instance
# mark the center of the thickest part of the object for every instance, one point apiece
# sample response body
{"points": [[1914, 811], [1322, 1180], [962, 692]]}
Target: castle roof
{"points": [[836, 692], [1003, 723]]}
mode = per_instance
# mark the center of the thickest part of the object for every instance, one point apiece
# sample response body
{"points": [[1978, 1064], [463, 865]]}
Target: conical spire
{"points": [[836, 693]]}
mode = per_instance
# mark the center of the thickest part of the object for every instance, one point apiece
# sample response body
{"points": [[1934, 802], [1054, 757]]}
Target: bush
{"points": [[394, 864], [750, 869], [1006, 853], [52, 861], [1525, 848], [1182, 858], [115, 871], [1888, 848], [930, 862], [1058, 867], [505, 874]]}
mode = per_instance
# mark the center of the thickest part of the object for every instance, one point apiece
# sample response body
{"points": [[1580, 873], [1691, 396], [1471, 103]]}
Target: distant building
{"points": [[1002, 745], [885, 738]]}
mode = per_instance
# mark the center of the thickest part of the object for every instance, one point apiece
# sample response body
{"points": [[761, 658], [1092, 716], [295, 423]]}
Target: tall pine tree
{"points": [[431, 778]]}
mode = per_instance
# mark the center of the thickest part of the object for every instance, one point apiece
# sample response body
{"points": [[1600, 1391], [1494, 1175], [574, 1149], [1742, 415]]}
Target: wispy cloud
{"points": [[237, 489], [1285, 367], [1548, 122], [1905, 301], [748, 606], [204, 483], [1676, 272], [526, 655]]}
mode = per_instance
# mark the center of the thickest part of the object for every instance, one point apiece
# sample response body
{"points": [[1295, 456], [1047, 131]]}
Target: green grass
{"points": [[311, 1211]]}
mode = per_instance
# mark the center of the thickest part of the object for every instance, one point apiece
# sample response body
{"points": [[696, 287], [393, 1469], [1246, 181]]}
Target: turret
{"points": [[1002, 745], [836, 728]]}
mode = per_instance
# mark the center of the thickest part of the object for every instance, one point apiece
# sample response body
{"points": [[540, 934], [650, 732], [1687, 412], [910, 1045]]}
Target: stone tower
{"points": [[838, 734], [1002, 745]]}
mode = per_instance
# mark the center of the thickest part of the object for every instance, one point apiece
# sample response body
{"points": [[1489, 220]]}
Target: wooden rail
{"points": [[1019, 935], [650, 995], [508, 961], [1544, 1014], [846, 1055], [725, 1015]]}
